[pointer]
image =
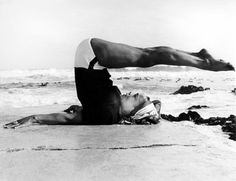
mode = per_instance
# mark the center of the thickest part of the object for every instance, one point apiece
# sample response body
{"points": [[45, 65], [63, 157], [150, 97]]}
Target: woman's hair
{"points": [[147, 119]]}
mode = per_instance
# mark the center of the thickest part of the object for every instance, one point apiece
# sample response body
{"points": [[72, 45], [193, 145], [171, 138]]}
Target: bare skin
{"points": [[130, 102], [71, 116], [117, 55]]}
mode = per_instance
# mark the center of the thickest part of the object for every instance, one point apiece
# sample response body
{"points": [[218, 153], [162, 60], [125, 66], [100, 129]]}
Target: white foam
{"points": [[14, 76]]}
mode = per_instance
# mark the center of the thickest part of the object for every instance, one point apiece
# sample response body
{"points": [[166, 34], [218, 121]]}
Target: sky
{"points": [[41, 34]]}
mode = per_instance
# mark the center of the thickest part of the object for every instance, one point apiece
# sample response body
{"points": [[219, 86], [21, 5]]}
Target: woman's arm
{"points": [[70, 116]]}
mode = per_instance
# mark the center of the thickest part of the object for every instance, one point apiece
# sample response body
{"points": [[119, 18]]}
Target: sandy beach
{"points": [[167, 151]]}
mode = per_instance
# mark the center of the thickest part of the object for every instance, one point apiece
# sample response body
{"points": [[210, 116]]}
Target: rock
{"points": [[138, 78], [183, 116], [144, 78], [234, 91], [216, 121], [43, 84], [228, 124], [121, 78], [127, 78], [197, 107], [189, 89], [169, 117], [194, 115]]}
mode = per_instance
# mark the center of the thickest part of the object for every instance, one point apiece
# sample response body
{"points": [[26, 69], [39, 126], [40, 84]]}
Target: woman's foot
{"points": [[213, 64], [220, 65]]}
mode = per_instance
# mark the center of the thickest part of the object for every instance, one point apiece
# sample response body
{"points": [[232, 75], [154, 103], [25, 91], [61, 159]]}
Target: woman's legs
{"points": [[201, 59], [116, 55]]}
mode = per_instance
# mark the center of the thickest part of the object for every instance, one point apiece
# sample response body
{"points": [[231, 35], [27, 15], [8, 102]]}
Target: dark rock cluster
{"points": [[228, 124], [43, 84], [121, 78], [234, 91], [190, 89], [135, 78], [197, 107]]}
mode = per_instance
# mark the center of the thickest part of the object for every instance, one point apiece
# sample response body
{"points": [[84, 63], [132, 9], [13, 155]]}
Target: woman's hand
{"points": [[73, 109], [24, 121]]}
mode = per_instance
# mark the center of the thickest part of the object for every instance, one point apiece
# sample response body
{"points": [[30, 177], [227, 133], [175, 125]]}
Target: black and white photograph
{"points": [[117, 90]]}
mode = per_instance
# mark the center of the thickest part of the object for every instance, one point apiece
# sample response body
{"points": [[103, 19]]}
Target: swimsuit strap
{"points": [[92, 63]]}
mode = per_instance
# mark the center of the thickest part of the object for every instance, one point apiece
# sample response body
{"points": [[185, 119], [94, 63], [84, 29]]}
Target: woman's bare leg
{"points": [[201, 59], [117, 55]]}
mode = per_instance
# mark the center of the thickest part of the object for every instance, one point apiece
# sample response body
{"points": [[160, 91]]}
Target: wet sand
{"points": [[166, 151]]}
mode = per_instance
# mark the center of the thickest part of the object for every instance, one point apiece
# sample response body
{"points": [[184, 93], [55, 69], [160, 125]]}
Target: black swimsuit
{"points": [[99, 98]]}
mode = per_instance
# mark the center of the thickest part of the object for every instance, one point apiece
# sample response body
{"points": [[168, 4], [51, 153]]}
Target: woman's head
{"points": [[138, 109], [131, 103]]}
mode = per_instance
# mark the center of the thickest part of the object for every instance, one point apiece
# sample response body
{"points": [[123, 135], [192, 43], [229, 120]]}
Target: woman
{"points": [[102, 102]]}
